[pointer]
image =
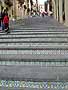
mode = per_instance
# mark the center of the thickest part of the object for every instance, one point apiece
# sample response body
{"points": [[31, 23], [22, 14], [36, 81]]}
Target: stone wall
{"points": [[60, 10]]}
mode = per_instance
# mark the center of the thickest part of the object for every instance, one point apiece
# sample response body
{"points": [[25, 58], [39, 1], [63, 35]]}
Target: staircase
{"points": [[36, 51]]}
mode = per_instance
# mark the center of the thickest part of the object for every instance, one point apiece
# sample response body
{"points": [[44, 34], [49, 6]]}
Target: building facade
{"points": [[6, 4], [17, 9], [21, 8], [60, 10], [45, 6], [48, 7]]}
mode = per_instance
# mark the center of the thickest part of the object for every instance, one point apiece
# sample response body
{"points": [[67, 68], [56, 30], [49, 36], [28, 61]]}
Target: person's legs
{"points": [[3, 26], [0, 26], [6, 26], [0, 23]]}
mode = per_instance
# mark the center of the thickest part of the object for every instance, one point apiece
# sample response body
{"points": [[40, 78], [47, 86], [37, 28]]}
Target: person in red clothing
{"points": [[6, 22]]}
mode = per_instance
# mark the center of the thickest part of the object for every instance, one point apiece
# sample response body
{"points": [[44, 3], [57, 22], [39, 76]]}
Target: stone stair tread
{"points": [[40, 30], [33, 73], [33, 47], [34, 39], [34, 44], [13, 55], [33, 33], [60, 42], [44, 35]]}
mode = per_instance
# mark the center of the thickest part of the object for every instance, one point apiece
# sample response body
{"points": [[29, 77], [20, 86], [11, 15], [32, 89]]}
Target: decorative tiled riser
{"points": [[23, 84]]}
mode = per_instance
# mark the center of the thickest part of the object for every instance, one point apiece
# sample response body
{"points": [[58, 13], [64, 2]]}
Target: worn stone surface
{"points": [[34, 39]]}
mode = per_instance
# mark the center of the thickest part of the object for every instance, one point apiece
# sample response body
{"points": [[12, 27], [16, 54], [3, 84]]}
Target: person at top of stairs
{"points": [[6, 22]]}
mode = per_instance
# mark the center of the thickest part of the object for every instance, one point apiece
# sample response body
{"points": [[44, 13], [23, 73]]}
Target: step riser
{"points": [[36, 63], [31, 37], [59, 42], [39, 52], [32, 47], [33, 33], [27, 30], [34, 44], [39, 33], [26, 85], [46, 35], [36, 39]]}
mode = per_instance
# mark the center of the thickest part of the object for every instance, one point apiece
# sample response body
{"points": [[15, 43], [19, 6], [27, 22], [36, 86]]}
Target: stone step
{"points": [[29, 28], [32, 27], [38, 33], [33, 73], [35, 40], [39, 41], [41, 63], [28, 33], [39, 30], [32, 35], [32, 47], [33, 54], [46, 62], [41, 26], [9, 36]]}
